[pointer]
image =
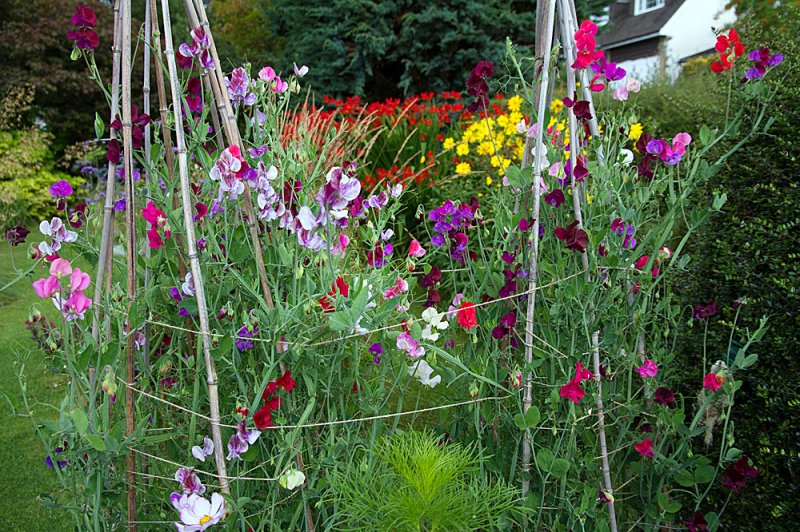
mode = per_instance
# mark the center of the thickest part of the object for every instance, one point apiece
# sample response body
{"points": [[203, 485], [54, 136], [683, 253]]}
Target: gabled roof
{"points": [[624, 26]]}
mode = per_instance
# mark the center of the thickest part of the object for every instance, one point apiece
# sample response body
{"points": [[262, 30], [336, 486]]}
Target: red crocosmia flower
{"points": [[467, 317], [713, 382], [286, 381], [263, 417], [735, 476], [337, 286], [575, 237], [572, 391], [645, 447]]}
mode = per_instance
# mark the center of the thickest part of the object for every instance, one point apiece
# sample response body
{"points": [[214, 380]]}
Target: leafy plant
{"points": [[417, 481]]}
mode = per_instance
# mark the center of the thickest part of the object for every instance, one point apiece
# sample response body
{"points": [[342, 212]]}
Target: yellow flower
{"points": [[515, 103], [552, 122], [556, 106], [588, 199], [488, 181], [514, 118], [462, 149], [422, 160], [485, 148], [561, 125], [495, 161], [463, 168], [448, 143], [502, 120], [636, 131], [506, 163]]}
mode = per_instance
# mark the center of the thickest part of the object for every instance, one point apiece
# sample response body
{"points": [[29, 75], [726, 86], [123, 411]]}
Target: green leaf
{"points": [[706, 135], [748, 361], [529, 420], [559, 468], [519, 178], [80, 420], [99, 126], [685, 478], [673, 507], [704, 474], [340, 321], [96, 442]]}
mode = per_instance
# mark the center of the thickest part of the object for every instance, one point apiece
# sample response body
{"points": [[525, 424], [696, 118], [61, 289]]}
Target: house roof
{"points": [[623, 25]]}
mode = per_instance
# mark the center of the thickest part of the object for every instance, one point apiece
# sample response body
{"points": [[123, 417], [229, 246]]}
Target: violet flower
{"points": [[189, 481], [241, 441], [201, 453]]}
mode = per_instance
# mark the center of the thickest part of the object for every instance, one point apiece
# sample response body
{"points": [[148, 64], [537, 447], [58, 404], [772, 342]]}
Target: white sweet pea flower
{"points": [[292, 479], [625, 157], [435, 320], [422, 371]]}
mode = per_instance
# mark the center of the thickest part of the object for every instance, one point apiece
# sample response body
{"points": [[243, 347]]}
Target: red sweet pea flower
{"points": [[581, 373], [286, 381], [735, 477], [337, 286], [467, 317], [572, 391], [575, 238], [645, 447], [263, 417], [713, 382], [727, 46]]}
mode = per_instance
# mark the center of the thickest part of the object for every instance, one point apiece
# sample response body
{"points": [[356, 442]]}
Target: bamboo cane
{"points": [[565, 16], [533, 240], [111, 176], [130, 241], [232, 133], [148, 36], [197, 274]]}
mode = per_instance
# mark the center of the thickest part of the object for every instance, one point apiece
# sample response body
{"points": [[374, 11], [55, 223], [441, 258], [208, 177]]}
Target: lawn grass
{"points": [[24, 473]]}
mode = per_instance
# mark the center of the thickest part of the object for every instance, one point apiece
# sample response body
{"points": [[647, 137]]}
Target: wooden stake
{"points": [[194, 262], [130, 241]]}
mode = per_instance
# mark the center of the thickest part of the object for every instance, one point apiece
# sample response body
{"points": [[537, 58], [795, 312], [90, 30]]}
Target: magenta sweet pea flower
{"points": [[60, 189], [647, 369], [189, 481], [406, 343], [645, 448]]}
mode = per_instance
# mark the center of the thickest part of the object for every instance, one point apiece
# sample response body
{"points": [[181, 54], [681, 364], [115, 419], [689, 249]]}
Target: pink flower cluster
{"points": [[69, 299], [197, 50], [572, 390], [586, 45]]}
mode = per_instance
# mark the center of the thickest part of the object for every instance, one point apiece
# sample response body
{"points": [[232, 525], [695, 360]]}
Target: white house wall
{"points": [[689, 31], [644, 68]]}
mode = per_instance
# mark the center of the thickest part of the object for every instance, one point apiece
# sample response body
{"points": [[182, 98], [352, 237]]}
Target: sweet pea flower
{"points": [[266, 74], [189, 481], [434, 321], [300, 72], [60, 268], [46, 287], [406, 343], [376, 350], [196, 512], [292, 478], [241, 441], [647, 369], [713, 382], [467, 317], [645, 448], [416, 250], [572, 391], [400, 287], [422, 371], [60, 189]]}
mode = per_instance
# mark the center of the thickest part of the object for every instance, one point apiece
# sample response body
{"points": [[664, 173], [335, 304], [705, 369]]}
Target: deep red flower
{"points": [[271, 388], [84, 16], [736, 475], [467, 317], [274, 402], [575, 237], [645, 447], [16, 235], [696, 523], [286, 381], [263, 417], [337, 286], [666, 397]]}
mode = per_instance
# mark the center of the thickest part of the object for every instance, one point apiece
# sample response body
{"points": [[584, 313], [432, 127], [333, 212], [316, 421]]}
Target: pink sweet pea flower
{"points": [[572, 391], [713, 382], [406, 343], [645, 448], [300, 72], [416, 250], [46, 287], [400, 287], [60, 268], [266, 74], [648, 369], [280, 86], [79, 280], [581, 373]]}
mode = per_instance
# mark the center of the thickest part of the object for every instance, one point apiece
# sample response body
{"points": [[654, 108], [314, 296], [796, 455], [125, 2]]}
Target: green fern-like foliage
{"points": [[414, 482]]}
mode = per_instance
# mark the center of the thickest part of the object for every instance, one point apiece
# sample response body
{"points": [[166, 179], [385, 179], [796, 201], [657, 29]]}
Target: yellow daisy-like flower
{"points": [[462, 149], [556, 106], [485, 148], [561, 125], [463, 168], [514, 118], [448, 143], [515, 103], [636, 131], [495, 161], [488, 181], [422, 160], [552, 122], [502, 120]]}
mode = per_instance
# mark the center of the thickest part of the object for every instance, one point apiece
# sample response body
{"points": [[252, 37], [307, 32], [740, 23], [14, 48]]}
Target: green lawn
{"points": [[24, 474]]}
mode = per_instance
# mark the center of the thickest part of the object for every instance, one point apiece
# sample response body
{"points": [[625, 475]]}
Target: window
{"points": [[645, 6]]}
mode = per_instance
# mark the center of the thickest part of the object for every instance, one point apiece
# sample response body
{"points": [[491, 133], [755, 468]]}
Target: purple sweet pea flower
{"points": [[376, 350], [60, 189], [241, 441], [189, 481]]}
